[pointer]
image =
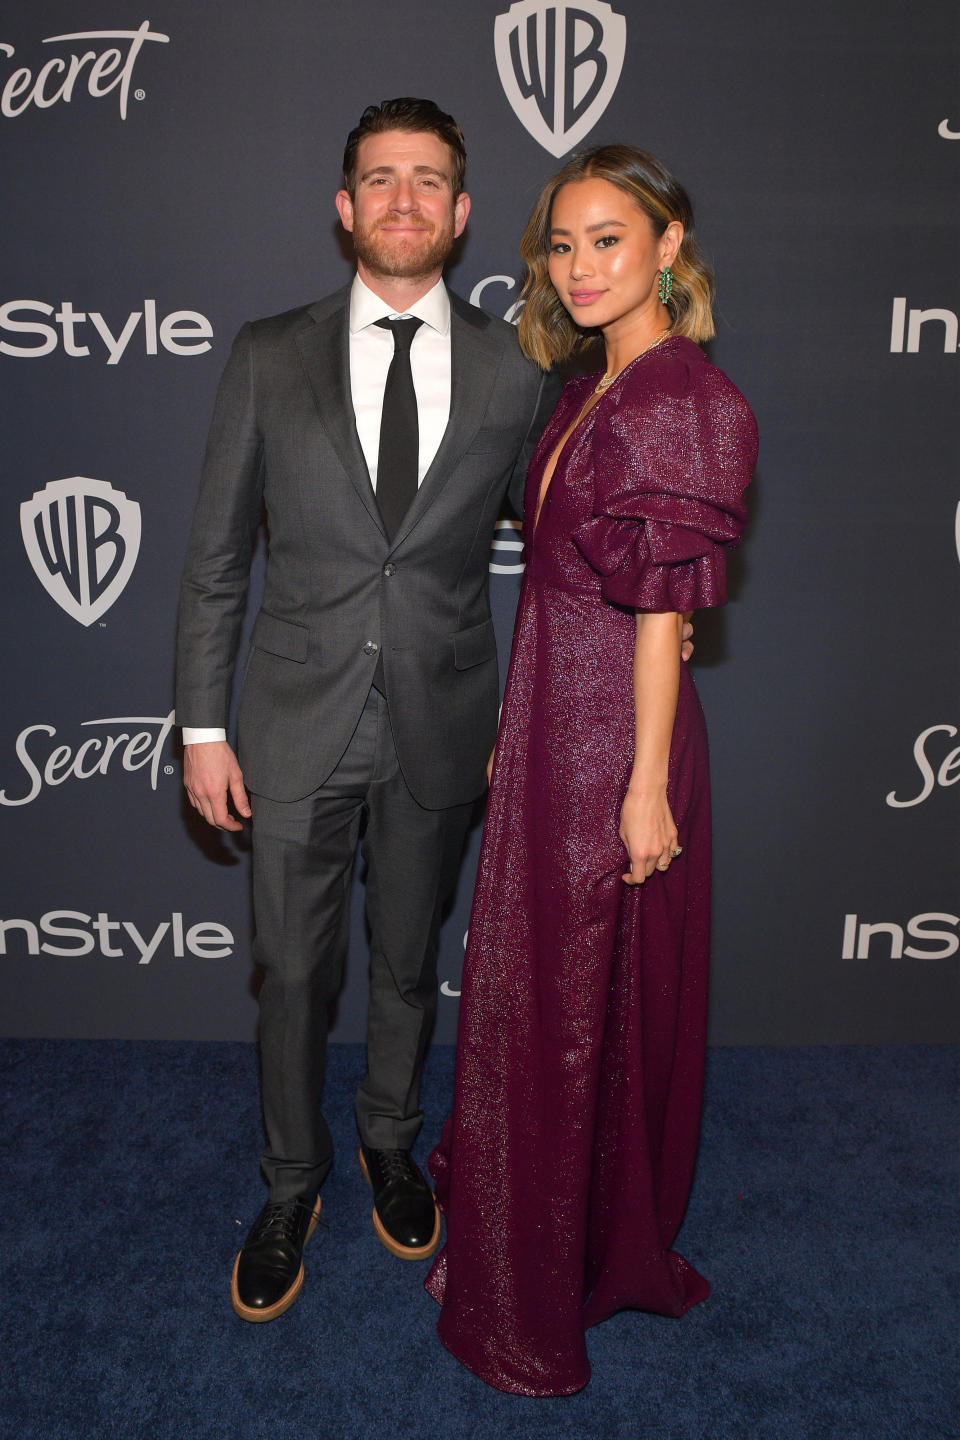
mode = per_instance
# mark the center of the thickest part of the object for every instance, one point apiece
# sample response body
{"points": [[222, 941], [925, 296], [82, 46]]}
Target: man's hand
{"points": [[211, 775], [686, 648]]}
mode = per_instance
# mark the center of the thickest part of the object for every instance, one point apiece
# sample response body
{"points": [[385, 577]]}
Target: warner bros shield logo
{"points": [[559, 64], [82, 538]]}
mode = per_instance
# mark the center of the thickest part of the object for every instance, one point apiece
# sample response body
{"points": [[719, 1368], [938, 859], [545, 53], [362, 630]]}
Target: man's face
{"points": [[403, 215]]}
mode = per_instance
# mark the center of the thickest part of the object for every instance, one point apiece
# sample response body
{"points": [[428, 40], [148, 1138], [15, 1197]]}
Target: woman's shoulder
{"points": [[679, 370]]}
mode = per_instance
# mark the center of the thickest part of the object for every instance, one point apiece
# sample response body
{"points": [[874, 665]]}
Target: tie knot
{"points": [[403, 331]]}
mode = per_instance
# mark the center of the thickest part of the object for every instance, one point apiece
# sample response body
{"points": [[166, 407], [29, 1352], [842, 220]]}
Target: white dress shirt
{"points": [[371, 350]]}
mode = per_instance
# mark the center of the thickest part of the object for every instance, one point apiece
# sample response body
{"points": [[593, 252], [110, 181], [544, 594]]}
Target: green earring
{"points": [[665, 284]]}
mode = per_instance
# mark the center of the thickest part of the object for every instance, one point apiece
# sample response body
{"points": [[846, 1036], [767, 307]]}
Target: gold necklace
{"points": [[607, 380]]}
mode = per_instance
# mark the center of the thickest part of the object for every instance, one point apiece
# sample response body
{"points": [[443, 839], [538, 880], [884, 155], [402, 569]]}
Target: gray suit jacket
{"points": [[283, 437]]}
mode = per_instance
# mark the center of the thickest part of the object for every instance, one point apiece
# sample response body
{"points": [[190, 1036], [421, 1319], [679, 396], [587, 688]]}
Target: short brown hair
{"points": [[547, 333], [415, 116]]}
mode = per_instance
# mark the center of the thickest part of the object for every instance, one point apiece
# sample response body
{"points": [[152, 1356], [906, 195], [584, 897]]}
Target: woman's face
{"points": [[604, 257]]}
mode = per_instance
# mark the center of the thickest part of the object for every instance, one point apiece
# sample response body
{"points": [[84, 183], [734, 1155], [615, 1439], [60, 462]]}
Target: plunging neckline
{"points": [[550, 469]]}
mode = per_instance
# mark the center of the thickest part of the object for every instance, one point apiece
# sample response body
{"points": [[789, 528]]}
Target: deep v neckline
{"points": [[550, 469], [593, 400]]}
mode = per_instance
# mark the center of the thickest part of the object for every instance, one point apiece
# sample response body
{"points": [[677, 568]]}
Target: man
{"points": [[382, 457]]}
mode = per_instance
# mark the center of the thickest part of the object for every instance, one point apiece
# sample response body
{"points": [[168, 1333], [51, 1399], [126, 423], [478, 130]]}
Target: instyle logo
{"points": [[82, 538], [907, 325], [72, 933], [934, 929], [945, 132], [108, 68], [559, 64], [120, 742], [181, 332], [938, 764]]}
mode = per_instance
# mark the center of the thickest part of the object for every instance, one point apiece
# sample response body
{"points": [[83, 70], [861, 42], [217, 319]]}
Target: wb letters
{"points": [[559, 65], [82, 538]]}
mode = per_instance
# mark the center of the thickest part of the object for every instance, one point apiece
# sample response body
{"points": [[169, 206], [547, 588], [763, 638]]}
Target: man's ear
{"points": [[345, 209], [461, 209]]}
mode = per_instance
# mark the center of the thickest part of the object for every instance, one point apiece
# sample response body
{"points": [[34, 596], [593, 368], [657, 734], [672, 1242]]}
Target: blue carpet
{"points": [[823, 1215]]}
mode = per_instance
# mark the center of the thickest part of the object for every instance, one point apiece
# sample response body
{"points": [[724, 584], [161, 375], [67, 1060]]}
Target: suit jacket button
{"points": [[371, 647], [389, 570]]}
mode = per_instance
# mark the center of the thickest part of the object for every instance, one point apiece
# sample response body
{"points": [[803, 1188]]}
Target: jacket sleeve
{"points": [[673, 457], [216, 572], [546, 395]]}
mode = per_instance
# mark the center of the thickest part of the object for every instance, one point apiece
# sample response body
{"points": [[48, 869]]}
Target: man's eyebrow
{"points": [[600, 225], [392, 170]]}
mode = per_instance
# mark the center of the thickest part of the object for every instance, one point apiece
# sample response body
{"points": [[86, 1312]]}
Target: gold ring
{"points": [[677, 850]]}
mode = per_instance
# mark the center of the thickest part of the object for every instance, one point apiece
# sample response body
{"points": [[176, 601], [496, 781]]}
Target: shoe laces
{"points": [[281, 1218], [395, 1165]]}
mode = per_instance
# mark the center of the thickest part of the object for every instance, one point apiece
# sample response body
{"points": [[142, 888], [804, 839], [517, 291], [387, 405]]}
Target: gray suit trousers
{"points": [[303, 855]]}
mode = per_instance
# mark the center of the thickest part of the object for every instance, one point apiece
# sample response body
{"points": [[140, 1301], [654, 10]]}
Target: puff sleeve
{"points": [[673, 455]]}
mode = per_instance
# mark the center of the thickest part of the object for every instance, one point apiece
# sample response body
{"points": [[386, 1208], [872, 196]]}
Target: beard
{"points": [[413, 258]]}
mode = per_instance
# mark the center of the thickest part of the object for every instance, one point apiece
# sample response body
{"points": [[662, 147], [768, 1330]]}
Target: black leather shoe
{"points": [[405, 1214], [268, 1272]]}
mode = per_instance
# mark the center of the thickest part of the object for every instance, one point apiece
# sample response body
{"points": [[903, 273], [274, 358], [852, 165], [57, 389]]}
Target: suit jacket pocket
{"points": [[280, 637], [472, 646]]}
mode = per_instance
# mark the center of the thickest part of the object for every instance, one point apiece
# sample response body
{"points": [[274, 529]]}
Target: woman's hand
{"points": [[648, 832], [686, 636], [490, 764], [646, 825]]}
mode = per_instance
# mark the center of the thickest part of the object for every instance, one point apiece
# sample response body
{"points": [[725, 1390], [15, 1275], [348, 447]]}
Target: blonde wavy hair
{"points": [[547, 333]]}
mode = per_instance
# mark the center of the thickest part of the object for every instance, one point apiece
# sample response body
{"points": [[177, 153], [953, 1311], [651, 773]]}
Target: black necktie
{"points": [[398, 460]]}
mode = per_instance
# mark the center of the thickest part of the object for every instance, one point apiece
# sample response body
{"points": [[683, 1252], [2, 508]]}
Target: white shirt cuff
{"points": [[201, 737]]}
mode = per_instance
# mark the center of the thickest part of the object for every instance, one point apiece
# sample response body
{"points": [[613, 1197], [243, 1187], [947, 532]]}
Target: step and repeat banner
{"points": [[169, 172]]}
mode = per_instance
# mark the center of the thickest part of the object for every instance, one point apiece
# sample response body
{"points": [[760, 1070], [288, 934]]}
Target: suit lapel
{"points": [[474, 360], [475, 353], [325, 352]]}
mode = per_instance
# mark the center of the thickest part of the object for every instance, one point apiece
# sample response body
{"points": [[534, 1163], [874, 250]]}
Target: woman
{"points": [[566, 1166]]}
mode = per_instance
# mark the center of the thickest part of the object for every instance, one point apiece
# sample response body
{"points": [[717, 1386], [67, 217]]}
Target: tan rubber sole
{"points": [[402, 1252], [270, 1312]]}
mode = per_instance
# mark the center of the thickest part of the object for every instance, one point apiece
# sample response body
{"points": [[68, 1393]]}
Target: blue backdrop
{"points": [[165, 179]]}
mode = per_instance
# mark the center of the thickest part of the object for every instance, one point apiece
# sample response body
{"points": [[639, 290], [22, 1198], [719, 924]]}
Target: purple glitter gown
{"points": [[565, 1168]]}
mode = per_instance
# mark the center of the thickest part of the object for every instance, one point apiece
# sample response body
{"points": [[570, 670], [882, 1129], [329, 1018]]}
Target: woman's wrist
{"points": [[647, 787]]}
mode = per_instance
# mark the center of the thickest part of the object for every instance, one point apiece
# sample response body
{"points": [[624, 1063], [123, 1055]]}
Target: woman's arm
{"points": [[646, 824], [686, 651]]}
